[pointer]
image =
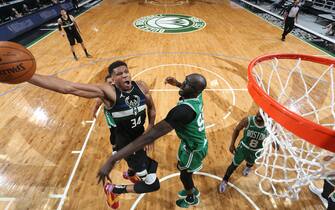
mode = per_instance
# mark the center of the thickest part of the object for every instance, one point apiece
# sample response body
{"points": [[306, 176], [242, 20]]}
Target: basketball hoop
{"points": [[296, 95]]}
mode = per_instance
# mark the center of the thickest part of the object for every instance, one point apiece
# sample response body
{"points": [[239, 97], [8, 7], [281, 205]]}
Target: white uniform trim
{"points": [[128, 112]]}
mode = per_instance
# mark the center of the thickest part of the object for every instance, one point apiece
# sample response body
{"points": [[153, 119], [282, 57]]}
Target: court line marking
{"points": [[75, 152], [55, 195], [151, 2], [133, 207], [197, 67], [67, 187], [10, 200], [209, 126]]}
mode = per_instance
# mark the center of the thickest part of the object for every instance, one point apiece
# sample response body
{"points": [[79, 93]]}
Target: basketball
{"points": [[17, 64]]}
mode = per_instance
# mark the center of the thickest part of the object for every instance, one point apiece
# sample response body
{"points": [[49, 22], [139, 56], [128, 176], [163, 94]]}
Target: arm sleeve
{"points": [[180, 115]]}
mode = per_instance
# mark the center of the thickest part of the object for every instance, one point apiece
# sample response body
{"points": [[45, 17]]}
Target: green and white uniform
{"points": [[193, 147], [251, 142]]}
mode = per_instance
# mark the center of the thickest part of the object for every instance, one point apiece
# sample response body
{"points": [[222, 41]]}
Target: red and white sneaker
{"points": [[134, 179], [112, 199]]}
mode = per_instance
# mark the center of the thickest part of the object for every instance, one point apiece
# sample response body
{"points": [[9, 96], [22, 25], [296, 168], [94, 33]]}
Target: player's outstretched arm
{"points": [[66, 87], [172, 81]]}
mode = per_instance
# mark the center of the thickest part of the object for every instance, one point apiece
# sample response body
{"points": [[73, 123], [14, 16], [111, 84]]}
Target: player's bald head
{"points": [[198, 82]]}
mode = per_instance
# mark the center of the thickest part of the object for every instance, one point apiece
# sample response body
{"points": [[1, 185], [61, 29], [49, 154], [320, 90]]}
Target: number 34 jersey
{"points": [[129, 112], [254, 135]]}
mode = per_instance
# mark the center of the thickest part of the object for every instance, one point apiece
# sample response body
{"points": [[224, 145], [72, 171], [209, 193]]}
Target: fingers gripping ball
{"points": [[17, 64]]}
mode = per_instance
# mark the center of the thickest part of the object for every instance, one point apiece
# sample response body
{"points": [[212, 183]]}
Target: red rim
{"points": [[313, 133]]}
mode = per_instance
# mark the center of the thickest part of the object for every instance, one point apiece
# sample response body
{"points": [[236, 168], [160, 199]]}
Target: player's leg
{"points": [[289, 25], [142, 167], [239, 156], [188, 163], [325, 193], [144, 170], [72, 43], [81, 42], [250, 159], [331, 202]]}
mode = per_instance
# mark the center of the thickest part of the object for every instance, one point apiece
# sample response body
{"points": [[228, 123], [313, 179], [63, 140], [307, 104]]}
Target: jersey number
{"points": [[135, 122], [201, 123], [253, 143]]}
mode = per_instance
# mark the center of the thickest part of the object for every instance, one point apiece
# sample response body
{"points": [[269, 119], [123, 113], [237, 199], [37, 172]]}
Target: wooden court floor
{"points": [[51, 148]]}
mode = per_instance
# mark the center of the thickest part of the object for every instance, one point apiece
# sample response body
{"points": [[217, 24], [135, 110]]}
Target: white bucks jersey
{"points": [[129, 111]]}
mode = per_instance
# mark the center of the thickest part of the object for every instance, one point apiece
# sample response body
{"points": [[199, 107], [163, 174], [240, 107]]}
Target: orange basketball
{"points": [[17, 64]]}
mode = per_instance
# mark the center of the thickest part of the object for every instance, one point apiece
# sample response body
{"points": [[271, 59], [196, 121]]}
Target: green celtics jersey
{"points": [[254, 135], [109, 119], [193, 134]]}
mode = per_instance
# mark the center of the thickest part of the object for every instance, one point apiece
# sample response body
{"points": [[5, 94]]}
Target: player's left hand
{"points": [[104, 171]]}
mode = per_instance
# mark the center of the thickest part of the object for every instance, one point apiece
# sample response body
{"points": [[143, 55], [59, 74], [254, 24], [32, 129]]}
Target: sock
{"points": [[119, 189]]}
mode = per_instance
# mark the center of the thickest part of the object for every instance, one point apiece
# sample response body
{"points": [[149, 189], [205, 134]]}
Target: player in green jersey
{"points": [[187, 120], [252, 141]]}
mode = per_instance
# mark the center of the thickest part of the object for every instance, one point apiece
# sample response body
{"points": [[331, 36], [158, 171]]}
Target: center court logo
{"points": [[169, 23]]}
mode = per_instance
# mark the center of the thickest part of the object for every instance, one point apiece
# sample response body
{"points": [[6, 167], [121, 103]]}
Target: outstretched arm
{"points": [[66, 87], [172, 81]]}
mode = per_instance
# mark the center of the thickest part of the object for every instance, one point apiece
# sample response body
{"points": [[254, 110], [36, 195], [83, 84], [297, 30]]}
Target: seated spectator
{"points": [[25, 9], [330, 29], [15, 14]]}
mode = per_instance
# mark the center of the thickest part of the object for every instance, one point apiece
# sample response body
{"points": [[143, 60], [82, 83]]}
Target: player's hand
{"points": [[104, 171], [232, 149], [149, 147], [171, 80]]}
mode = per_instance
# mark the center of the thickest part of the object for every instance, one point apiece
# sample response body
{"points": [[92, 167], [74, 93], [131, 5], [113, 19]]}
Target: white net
{"points": [[287, 163]]}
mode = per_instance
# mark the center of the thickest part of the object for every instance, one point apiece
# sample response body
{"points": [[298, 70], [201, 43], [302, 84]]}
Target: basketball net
{"points": [[287, 163]]}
